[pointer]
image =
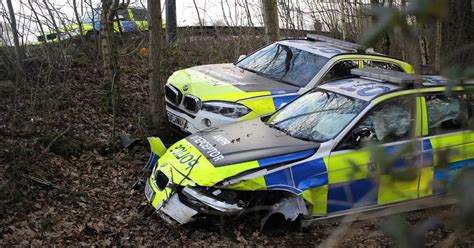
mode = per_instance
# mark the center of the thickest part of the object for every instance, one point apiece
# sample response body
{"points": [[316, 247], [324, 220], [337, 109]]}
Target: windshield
{"points": [[285, 64], [317, 116], [90, 17]]}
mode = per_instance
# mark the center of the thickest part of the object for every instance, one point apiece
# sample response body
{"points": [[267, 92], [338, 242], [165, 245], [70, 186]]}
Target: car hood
{"points": [[214, 155], [226, 82]]}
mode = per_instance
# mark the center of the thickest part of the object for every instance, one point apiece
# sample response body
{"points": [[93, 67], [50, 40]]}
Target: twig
{"points": [[41, 181], [53, 141]]}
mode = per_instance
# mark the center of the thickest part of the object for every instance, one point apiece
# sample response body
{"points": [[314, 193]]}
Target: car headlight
{"points": [[233, 110]]}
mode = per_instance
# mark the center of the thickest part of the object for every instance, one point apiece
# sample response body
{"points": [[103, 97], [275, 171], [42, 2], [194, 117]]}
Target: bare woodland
{"points": [[65, 107]]}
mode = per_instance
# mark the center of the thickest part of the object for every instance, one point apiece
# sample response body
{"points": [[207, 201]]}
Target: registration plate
{"points": [[149, 193], [178, 121]]}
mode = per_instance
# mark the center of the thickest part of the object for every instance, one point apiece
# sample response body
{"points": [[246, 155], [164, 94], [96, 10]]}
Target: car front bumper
{"points": [[181, 205]]}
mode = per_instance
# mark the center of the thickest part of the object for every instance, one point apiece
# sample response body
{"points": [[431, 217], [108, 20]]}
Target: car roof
{"points": [[370, 83], [360, 88], [320, 48]]}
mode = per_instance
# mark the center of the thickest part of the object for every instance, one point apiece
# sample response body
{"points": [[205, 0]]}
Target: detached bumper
{"points": [[182, 206], [167, 204]]}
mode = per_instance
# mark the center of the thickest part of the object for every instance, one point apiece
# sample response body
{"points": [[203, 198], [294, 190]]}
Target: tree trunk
{"points": [[403, 43], [157, 94], [171, 22], [18, 51], [457, 34], [437, 53], [270, 15], [343, 18], [78, 20], [109, 55]]}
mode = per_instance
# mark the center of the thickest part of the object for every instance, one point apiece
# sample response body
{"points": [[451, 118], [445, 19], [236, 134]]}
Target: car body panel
{"points": [[131, 25], [263, 96], [329, 179]]}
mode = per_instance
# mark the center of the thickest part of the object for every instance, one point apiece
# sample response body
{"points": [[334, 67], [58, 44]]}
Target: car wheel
{"points": [[92, 36]]}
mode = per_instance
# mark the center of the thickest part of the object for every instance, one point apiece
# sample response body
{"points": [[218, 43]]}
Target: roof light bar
{"points": [[395, 77], [336, 42]]}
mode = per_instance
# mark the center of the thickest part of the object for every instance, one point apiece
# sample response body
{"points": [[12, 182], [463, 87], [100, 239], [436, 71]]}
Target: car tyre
{"points": [[92, 36]]}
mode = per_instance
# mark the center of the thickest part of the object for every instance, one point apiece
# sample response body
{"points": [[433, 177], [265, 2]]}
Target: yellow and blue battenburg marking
{"points": [[456, 150], [280, 101], [297, 178], [158, 149]]}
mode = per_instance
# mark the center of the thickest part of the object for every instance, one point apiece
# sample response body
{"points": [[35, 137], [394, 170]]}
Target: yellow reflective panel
{"points": [[159, 195], [452, 148], [261, 105], [318, 197], [348, 166], [197, 167], [419, 117], [392, 189], [157, 146], [257, 183], [424, 116], [142, 25], [426, 181], [208, 88], [249, 116]]}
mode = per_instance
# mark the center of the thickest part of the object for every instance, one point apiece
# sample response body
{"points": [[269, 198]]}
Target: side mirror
{"points": [[242, 56], [360, 134]]}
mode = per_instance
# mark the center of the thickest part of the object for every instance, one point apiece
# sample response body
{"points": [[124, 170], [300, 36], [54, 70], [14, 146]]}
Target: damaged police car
{"points": [[207, 96], [310, 161]]}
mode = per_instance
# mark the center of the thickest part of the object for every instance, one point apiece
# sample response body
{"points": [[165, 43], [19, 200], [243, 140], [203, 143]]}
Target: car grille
{"points": [[173, 95], [161, 180], [192, 103]]}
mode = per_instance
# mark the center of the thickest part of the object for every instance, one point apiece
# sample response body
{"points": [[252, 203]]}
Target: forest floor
{"points": [[62, 184]]}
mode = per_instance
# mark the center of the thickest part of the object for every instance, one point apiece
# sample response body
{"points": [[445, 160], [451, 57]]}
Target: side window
{"points": [[448, 113], [382, 65], [388, 122], [123, 14], [139, 14], [340, 70]]}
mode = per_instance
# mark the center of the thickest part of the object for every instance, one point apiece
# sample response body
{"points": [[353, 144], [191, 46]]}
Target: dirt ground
{"points": [[61, 183]]}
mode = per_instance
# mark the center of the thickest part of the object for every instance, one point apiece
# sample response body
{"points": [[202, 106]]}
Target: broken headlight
{"points": [[227, 109], [211, 200]]}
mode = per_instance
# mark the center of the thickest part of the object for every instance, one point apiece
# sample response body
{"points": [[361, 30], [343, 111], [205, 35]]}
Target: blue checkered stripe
{"points": [[152, 160], [297, 178]]}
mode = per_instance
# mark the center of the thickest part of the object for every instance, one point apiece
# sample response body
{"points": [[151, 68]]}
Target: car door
{"points": [[127, 25], [139, 16], [383, 166], [449, 143]]}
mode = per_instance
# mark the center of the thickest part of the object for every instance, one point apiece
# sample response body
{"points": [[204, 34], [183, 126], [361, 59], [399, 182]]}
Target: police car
{"points": [[314, 157], [127, 20], [261, 83]]}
